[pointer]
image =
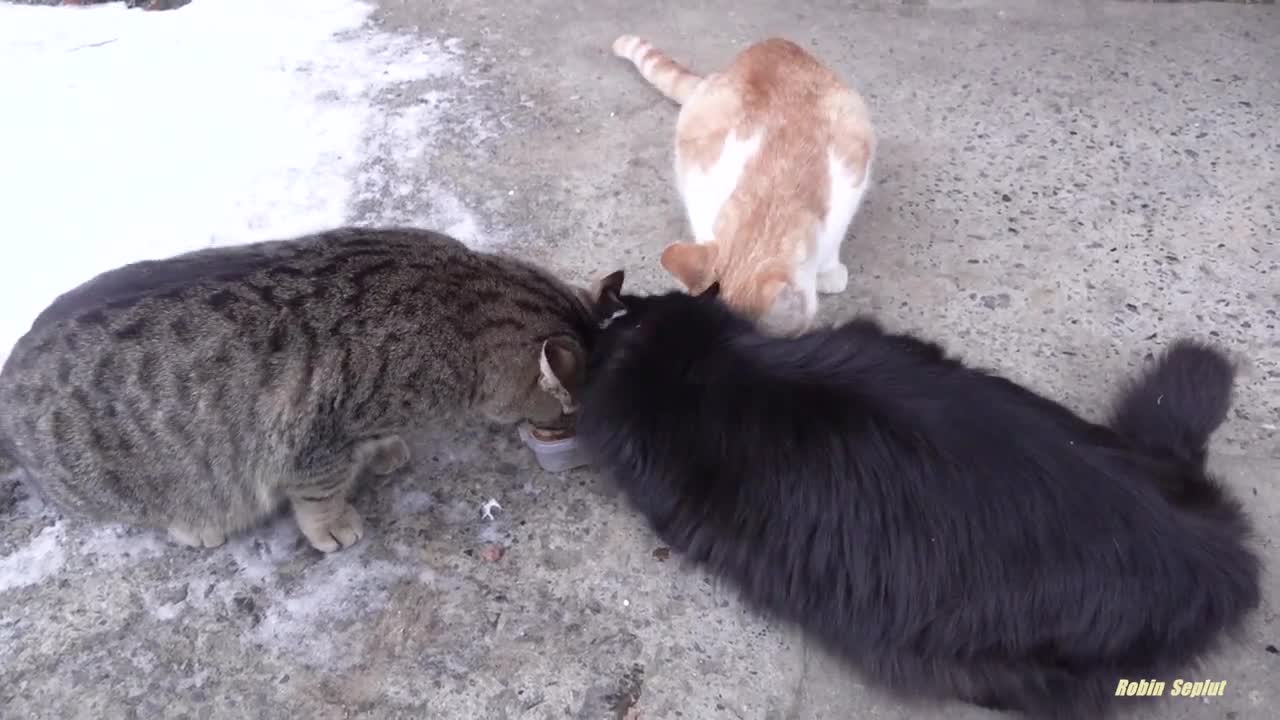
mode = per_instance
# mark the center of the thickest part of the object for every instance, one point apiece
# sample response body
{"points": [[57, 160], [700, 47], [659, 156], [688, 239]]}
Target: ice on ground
{"points": [[309, 621], [32, 563], [132, 135], [409, 501], [259, 552], [115, 547]]}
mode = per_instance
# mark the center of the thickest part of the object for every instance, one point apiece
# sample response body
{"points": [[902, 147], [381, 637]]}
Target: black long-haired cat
{"points": [[951, 533]]}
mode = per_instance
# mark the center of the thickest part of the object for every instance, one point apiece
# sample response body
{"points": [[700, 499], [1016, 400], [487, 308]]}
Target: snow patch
{"points": [[132, 135], [113, 547], [260, 551], [411, 502], [401, 139], [308, 621], [31, 564], [167, 611]]}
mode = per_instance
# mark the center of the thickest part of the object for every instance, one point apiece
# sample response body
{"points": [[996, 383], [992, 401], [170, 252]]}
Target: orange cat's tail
{"points": [[670, 77]]}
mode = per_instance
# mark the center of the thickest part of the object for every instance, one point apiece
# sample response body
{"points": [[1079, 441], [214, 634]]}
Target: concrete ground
{"points": [[1062, 189]]}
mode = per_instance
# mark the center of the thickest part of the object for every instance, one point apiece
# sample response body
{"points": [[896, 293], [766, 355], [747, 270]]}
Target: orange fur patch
{"points": [[770, 222]]}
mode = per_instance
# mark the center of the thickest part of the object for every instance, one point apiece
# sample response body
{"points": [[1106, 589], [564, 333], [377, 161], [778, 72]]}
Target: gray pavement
{"points": [[1062, 188]]}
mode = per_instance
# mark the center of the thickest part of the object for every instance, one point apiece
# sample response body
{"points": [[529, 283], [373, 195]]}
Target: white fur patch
{"points": [[551, 384], [648, 64], [705, 193], [609, 320], [845, 192]]}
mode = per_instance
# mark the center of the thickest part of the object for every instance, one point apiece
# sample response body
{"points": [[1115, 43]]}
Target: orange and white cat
{"points": [[772, 158]]}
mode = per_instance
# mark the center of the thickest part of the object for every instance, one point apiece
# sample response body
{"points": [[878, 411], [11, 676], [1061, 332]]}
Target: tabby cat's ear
{"points": [[690, 263], [563, 365]]}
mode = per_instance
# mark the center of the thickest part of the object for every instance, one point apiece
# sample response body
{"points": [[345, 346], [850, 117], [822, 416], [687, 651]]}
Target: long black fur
{"points": [[951, 533]]}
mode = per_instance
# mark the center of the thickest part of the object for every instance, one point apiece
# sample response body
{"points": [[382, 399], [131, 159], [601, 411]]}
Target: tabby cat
{"points": [[772, 158], [200, 392]]}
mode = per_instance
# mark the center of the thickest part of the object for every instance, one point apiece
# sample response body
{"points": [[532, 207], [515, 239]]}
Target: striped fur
{"points": [[668, 76], [199, 392]]}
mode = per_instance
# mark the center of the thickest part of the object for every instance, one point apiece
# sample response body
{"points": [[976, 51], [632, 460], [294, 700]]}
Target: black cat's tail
{"points": [[1176, 405], [1169, 412]]}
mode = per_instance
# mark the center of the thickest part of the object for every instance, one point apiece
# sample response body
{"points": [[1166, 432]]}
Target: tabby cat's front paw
{"points": [[330, 529]]}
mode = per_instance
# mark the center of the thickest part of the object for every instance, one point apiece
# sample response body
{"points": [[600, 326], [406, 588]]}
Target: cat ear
{"points": [[608, 288], [690, 263], [563, 367], [607, 292], [604, 297]]}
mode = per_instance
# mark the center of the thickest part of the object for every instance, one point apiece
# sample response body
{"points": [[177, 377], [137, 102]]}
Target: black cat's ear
{"points": [[608, 288], [605, 298], [711, 293]]}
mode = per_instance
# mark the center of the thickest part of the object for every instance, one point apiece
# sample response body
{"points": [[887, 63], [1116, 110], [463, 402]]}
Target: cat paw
{"points": [[332, 531], [385, 455], [203, 538], [833, 280]]}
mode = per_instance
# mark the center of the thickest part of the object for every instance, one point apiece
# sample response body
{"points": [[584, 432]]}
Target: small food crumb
{"points": [[492, 552], [661, 554], [626, 603]]}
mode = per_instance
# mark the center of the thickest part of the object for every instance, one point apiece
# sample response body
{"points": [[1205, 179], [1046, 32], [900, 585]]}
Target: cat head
{"points": [[673, 317], [562, 359], [767, 294]]}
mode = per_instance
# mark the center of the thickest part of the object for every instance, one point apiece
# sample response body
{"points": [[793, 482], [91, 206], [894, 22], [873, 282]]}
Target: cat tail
{"points": [[670, 77], [1175, 405], [1170, 411]]}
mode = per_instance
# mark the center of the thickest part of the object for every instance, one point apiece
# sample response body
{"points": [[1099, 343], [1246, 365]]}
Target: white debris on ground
{"points": [[39, 559], [486, 510], [131, 135], [315, 618]]}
